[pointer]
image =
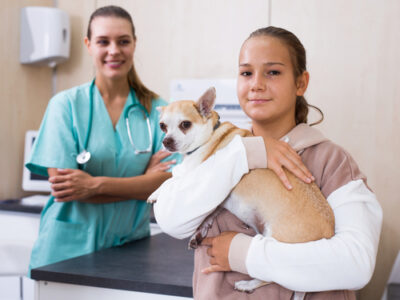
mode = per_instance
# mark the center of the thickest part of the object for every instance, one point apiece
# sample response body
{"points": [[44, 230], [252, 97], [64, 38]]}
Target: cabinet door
{"points": [[62, 291], [18, 232]]}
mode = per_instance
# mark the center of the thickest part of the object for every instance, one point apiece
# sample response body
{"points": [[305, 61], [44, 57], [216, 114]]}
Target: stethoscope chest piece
{"points": [[83, 157]]}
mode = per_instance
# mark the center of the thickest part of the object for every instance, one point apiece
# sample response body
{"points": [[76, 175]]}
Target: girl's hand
{"points": [[71, 184], [218, 251], [155, 164], [280, 155]]}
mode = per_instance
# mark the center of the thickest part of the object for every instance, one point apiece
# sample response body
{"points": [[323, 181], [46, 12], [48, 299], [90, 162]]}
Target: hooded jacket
{"points": [[325, 269]]}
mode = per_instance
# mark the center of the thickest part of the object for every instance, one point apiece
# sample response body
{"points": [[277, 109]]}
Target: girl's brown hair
{"points": [[144, 95], [298, 58]]}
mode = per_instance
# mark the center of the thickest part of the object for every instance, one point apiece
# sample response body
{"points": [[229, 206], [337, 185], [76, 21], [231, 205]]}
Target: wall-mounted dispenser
{"points": [[45, 36]]}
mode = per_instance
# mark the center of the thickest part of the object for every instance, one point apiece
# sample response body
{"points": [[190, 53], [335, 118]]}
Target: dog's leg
{"points": [[249, 286]]}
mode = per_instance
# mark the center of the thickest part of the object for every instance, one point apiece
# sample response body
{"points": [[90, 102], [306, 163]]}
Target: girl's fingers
{"points": [[298, 164], [282, 176], [211, 269], [291, 160], [296, 170]]}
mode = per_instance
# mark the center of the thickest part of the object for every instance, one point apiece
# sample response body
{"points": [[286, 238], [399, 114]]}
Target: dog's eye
{"points": [[163, 127], [185, 125]]}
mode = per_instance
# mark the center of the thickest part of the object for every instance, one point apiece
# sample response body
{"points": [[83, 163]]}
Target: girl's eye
{"points": [[163, 127], [274, 73], [185, 125], [246, 73]]}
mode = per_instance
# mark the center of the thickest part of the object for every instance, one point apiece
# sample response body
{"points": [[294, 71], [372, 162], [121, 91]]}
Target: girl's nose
{"points": [[259, 83]]}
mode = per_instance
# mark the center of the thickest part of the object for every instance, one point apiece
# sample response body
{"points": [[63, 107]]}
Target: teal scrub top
{"points": [[75, 228]]}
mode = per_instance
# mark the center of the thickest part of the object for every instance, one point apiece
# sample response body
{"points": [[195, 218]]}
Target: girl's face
{"points": [[112, 46], [266, 86]]}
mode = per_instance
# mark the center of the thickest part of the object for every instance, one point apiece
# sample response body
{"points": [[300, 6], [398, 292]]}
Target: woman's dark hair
{"points": [[144, 95], [298, 59]]}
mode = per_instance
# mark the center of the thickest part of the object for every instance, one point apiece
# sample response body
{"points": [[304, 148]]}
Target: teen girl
{"points": [[271, 83]]}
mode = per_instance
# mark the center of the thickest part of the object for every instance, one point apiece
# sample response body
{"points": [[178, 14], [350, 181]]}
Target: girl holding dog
{"points": [[271, 83], [98, 203]]}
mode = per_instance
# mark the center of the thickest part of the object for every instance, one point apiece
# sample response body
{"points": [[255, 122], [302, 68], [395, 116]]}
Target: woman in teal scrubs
{"points": [[100, 203]]}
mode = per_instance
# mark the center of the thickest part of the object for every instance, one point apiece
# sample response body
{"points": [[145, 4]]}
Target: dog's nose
{"points": [[169, 143]]}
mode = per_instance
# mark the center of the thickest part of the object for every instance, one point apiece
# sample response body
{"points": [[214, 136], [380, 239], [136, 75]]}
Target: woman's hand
{"points": [[155, 164], [218, 250], [71, 184], [280, 155]]}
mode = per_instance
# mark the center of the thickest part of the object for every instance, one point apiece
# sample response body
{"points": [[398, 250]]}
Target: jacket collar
{"points": [[303, 136]]}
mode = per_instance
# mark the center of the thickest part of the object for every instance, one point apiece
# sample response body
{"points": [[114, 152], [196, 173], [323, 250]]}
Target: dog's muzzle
{"points": [[170, 144]]}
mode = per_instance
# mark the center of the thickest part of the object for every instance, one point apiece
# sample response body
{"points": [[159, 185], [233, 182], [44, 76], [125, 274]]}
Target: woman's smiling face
{"points": [[112, 46], [266, 86]]}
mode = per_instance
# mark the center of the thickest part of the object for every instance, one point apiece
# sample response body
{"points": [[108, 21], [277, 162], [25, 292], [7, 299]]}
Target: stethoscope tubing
{"points": [[84, 156]]}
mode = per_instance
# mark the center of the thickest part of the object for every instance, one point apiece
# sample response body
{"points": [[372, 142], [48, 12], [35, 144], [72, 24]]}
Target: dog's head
{"points": [[188, 124]]}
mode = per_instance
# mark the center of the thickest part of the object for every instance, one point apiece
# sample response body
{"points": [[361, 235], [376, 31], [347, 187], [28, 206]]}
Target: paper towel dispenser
{"points": [[45, 36]]}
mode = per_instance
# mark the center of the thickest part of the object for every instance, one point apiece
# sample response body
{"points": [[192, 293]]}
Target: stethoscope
{"points": [[84, 156]]}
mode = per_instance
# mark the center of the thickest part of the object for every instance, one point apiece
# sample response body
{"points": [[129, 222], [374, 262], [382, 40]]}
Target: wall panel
{"points": [[79, 68], [24, 92]]}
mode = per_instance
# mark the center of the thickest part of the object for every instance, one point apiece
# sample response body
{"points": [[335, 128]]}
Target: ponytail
{"points": [[302, 109], [144, 95]]}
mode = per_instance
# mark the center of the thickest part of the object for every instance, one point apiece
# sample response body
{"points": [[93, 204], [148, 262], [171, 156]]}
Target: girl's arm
{"points": [[346, 261]]}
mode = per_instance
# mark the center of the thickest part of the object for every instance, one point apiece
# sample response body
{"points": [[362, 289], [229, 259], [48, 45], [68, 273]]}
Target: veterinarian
{"points": [[100, 143], [272, 80]]}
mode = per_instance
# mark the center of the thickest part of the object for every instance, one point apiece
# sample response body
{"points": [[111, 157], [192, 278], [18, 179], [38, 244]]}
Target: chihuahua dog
{"points": [[299, 215]]}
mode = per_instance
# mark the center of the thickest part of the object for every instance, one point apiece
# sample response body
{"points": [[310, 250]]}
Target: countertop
{"points": [[15, 205], [159, 264]]}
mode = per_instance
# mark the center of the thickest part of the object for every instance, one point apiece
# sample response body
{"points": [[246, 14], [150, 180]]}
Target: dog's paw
{"points": [[153, 197], [249, 286], [151, 200]]}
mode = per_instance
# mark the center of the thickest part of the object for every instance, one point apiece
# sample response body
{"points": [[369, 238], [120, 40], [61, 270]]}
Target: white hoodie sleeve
{"points": [[189, 196], [346, 261]]}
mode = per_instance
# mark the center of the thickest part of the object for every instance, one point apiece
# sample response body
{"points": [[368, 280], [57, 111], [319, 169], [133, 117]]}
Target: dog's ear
{"points": [[206, 102]]}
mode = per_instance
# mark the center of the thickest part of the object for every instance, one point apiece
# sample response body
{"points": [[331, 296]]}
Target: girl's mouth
{"points": [[259, 101]]}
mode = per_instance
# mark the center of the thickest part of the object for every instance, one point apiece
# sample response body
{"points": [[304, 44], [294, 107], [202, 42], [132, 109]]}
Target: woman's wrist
{"points": [[99, 186]]}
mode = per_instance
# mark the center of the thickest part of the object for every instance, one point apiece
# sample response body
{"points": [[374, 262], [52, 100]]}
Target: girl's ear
{"points": [[302, 83], [206, 102]]}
